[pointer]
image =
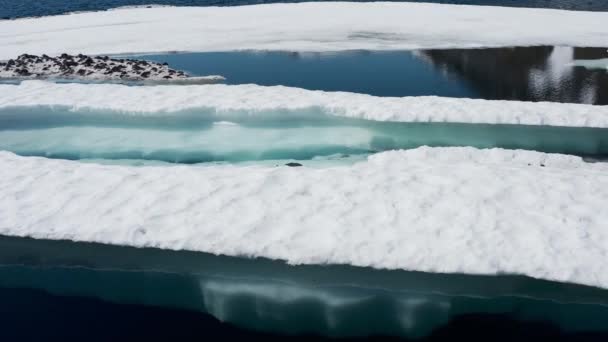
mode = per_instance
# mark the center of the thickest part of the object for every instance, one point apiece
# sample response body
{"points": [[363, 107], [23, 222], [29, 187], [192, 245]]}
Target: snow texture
{"points": [[320, 26], [225, 100], [430, 209]]}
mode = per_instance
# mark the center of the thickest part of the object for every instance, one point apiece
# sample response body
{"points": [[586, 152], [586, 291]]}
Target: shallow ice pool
{"points": [[308, 136]]}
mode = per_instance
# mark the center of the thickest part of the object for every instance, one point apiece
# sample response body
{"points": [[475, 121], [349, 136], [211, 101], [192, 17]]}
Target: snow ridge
{"points": [[225, 100]]}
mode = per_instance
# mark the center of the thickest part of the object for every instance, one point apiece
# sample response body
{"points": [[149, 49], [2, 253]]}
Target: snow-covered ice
{"points": [[319, 26], [252, 100], [429, 209]]}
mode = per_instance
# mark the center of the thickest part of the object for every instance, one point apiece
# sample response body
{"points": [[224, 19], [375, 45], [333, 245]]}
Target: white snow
{"points": [[429, 209], [258, 100], [320, 26]]}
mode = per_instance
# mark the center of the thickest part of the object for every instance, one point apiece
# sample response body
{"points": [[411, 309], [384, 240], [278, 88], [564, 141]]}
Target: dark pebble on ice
{"points": [[83, 65], [23, 72], [293, 164], [117, 68]]}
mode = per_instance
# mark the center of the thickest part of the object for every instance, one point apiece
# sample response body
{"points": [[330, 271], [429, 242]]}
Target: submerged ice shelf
{"points": [[202, 136], [540, 73], [271, 296]]}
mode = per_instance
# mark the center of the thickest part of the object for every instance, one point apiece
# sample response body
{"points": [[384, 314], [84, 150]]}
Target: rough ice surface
{"points": [[449, 210], [252, 100], [301, 27]]}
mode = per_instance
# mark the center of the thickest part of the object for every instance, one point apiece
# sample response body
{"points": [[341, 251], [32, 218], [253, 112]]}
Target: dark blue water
{"points": [[28, 8], [377, 73], [33, 315], [540, 73], [60, 290]]}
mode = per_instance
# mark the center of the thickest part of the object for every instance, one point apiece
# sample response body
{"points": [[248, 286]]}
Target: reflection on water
{"points": [[542, 73], [528, 73]]}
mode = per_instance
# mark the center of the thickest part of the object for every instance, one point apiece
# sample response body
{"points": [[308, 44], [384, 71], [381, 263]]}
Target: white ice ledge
{"points": [[430, 209], [260, 100], [326, 26]]}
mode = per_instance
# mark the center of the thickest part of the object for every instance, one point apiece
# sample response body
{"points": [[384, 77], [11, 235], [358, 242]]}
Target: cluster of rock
{"points": [[88, 67]]}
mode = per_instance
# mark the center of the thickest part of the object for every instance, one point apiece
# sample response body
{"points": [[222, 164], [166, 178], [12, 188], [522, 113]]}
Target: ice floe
{"points": [[327, 26], [430, 209], [251, 100]]}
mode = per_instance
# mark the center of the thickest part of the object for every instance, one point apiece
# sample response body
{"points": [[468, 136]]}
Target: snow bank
{"points": [[328, 26], [437, 210], [225, 100]]}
